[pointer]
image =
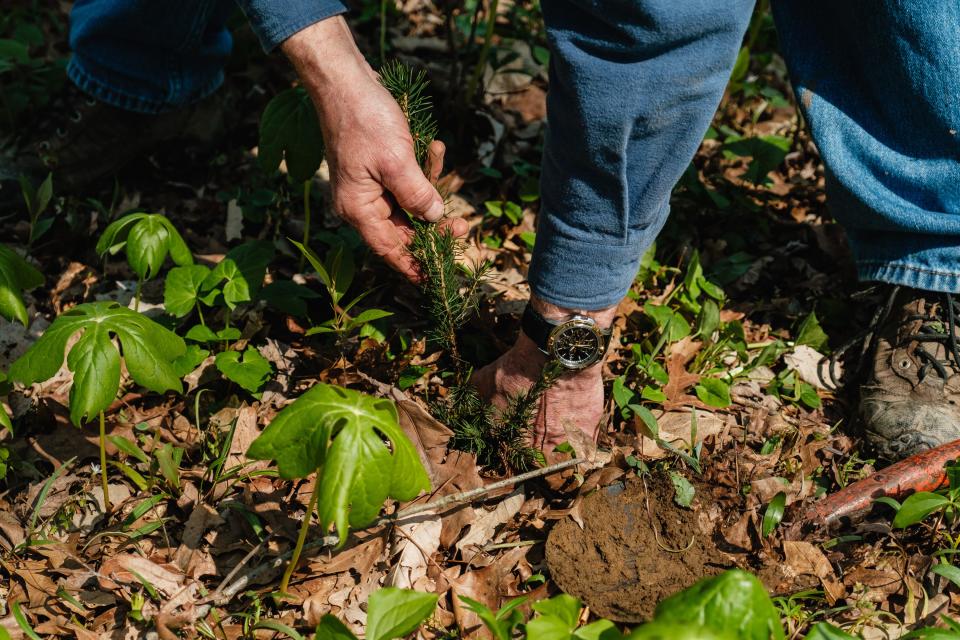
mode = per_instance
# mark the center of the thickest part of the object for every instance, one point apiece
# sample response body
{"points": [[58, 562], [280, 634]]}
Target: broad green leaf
{"points": [[239, 275], [251, 370], [564, 607], [500, 624], [16, 276], [201, 333], [773, 514], [396, 613], [129, 447], [22, 621], [713, 392], [826, 631], [767, 153], [190, 360], [647, 420], [622, 394], [948, 571], [668, 321], [169, 460], [289, 130], [181, 289], [340, 432], [810, 333], [330, 628], [5, 421], [369, 315], [709, 320], [147, 239], [733, 603], [677, 631], [148, 351], [599, 630], [917, 507], [548, 628], [683, 491]]}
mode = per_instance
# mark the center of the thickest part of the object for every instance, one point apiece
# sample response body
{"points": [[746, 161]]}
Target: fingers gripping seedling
{"points": [[146, 348]]}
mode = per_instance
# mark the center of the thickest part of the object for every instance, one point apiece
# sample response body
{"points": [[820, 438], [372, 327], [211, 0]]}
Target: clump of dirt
{"points": [[636, 547]]}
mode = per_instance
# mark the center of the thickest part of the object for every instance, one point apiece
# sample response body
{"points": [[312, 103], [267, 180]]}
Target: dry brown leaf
{"points": [[804, 558], [202, 517], [486, 523], [416, 541]]}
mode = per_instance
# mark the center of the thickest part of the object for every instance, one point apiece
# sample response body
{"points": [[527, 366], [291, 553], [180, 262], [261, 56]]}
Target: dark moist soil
{"points": [[615, 563]]}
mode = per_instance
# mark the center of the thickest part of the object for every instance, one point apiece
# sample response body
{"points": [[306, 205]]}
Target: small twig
{"points": [[229, 592]]}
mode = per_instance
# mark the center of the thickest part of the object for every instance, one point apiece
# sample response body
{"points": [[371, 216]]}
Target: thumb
{"points": [[413, 191]]}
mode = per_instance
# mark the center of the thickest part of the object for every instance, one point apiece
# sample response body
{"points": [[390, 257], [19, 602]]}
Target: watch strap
{"points": [[536, 327]]}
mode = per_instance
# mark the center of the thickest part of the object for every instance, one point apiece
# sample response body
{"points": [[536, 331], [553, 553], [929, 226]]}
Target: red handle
{"points": [[920, 472]]}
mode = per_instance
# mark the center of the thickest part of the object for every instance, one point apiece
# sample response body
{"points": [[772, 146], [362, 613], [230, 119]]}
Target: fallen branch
{"points": [[227, 593], [921, 472]]}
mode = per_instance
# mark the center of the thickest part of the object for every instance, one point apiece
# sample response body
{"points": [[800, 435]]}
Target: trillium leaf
{"points": [[251, 370], [147, 238], [16, 276], [148, 351], [341, 432], [289, 130], [181, 288]]}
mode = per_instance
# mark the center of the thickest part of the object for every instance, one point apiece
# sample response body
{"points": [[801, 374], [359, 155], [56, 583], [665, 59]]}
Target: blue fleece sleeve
{"points": [[276, 20]]}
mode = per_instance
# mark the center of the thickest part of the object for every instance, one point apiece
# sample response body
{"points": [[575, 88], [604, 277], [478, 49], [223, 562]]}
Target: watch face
{"points": [[576, 343]]}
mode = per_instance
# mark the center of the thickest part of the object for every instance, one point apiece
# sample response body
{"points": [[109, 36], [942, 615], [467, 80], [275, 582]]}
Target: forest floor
{"points": [[738, 403]]}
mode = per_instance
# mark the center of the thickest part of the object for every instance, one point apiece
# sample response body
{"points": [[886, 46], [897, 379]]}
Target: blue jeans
{"points": [[633, 86], [156, 55]]}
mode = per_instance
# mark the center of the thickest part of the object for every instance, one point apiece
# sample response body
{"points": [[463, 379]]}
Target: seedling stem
{"points": [[302, 536], [103, 461]]}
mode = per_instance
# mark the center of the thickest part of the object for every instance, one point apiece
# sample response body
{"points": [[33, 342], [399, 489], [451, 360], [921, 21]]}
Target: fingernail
{"points": [[435, 212]]}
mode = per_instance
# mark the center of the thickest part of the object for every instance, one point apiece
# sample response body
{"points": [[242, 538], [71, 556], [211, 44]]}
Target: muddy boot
{"points": [[909, 400], [81, 140]]}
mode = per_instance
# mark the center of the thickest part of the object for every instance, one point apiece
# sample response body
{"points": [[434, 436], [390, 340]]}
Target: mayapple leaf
{"points": [[147, 238], [289, 130], [240, 274], [148, 351], [396, 613], [340, 432], [181, 289], [16, 276], [733, 603], [251, 370]]}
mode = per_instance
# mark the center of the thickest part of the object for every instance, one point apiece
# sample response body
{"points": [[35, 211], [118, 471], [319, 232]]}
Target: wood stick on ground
{"points": [[227, 593]]}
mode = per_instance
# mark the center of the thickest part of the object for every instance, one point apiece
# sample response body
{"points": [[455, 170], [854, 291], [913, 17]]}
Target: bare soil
{"points": [[636, 547]]}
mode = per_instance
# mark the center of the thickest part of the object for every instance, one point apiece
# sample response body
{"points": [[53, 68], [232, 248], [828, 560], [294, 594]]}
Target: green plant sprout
{"points": [[336, 273], [37, 200], [391, 613], [338, 434], [148, 351], [290, 132], [16, 275], [147, 239]]}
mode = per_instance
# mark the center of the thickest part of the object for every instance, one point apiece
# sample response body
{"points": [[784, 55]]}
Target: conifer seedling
{"points": [[339, 434], [147, 349], [147, 239], [16, 276]]}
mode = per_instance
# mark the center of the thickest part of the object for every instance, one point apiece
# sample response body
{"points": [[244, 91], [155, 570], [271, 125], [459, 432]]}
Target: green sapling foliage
{"points": [[147, 239], [16, 276], [148, 350], [339, 434]]}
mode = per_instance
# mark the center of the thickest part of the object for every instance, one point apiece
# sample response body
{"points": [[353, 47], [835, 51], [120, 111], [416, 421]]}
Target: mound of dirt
{"points": [[628, 556]]}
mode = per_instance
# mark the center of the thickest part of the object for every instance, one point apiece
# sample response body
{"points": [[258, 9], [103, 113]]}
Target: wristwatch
{"points": [[576, 343]]}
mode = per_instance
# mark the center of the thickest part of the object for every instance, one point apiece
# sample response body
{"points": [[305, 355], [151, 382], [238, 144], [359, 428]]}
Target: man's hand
{"points": [[373, 169]]}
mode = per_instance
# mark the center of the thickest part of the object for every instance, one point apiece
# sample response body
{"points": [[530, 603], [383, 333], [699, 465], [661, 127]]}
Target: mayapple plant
{"points": [[146, 348], [16, 276], [147, 239], [290, 132], [339, 434]]}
